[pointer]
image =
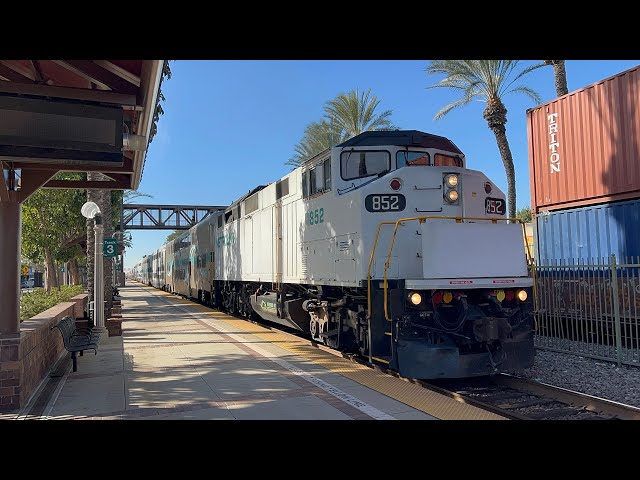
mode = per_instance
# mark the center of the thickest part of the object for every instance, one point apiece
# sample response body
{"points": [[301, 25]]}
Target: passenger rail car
{"points": [[385, 245]]}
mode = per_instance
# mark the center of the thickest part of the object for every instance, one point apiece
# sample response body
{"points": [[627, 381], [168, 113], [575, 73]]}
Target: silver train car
{"points": [[385, 245]]}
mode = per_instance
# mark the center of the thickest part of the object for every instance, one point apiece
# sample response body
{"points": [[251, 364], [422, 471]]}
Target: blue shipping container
{"points": [[586, 233]]}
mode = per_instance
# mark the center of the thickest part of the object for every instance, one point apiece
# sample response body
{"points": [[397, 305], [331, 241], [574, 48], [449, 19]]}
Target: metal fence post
{"points": [[616, 309]]}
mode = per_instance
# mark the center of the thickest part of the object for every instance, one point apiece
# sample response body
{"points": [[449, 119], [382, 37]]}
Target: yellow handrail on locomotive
{"points": [[421, 219]]}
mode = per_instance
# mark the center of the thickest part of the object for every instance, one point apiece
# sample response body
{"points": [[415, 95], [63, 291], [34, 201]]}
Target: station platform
{"points": [[178, 360]]}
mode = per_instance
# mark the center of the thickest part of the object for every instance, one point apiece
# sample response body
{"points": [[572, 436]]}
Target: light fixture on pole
{"points": [[92, 211]]}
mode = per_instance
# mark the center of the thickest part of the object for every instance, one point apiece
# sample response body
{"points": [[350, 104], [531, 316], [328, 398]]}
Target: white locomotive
{"points": [[385, 245]]}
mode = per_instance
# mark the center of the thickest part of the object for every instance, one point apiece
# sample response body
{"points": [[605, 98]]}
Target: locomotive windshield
{"points": [[363, 163], [412, 158], [407, 157]]}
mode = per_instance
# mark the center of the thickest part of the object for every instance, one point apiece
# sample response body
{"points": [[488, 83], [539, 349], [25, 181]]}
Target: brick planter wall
{"points": [[81, 307], [26, 358], [114, 326]]}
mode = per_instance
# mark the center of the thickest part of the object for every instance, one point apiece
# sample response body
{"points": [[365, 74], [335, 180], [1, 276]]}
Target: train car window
{"points": [[363, 164], [251, 204], [305, 184], [327, 174], [313, 183], [282, 188], [441, 160], [405, 158], [220, 221]]}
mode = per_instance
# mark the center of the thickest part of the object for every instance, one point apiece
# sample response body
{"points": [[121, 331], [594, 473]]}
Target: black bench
{"points": [[76, 340]]}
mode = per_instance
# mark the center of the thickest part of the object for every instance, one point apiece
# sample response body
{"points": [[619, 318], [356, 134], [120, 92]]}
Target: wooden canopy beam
{"points": [[98, 75]]}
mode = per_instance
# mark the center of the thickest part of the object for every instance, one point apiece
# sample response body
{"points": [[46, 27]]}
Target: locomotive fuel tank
{"points": [[289, 314]]}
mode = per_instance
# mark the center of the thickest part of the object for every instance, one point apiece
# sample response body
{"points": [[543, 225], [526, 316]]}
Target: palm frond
{"points": [[447, 108], [529, 92], [525, 71]]}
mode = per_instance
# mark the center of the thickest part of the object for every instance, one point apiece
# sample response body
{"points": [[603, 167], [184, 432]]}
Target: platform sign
{"points": [[110, 247], [44, 131]]}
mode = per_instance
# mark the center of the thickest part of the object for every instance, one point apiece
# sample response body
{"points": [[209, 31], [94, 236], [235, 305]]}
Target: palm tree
{"points": [[490, 81], [559, 75], [354, 113], [318, 136], [346, 116]]}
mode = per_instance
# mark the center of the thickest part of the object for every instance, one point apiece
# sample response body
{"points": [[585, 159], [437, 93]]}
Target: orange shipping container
{"points": [[584, 147]]}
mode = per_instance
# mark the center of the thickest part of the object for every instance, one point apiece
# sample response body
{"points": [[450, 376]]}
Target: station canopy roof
{"points": [[132, 85]]}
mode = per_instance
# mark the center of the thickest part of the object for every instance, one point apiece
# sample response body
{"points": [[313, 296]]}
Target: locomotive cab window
{"points": [[358, 164], [441, 160], [412, 158]]}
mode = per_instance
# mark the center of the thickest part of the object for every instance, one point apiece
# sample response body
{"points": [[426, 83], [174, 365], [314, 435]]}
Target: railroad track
{"points": [[510, 396], [523, 399]]}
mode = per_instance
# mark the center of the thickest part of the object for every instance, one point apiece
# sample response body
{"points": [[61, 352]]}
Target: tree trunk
{"points": [[74, 271], [50, 270], [496, 116], [559, 75], [500, 132], [56, 275]]}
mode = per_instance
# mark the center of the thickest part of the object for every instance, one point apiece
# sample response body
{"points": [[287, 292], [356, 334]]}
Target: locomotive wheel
{"points": [[313, 327]]}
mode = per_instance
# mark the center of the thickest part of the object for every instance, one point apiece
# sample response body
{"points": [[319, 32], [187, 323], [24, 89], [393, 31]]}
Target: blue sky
{"points": [[230, 125]]}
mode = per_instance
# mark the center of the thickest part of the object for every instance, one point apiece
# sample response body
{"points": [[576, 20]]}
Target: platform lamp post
{"points": [[91, 210]]}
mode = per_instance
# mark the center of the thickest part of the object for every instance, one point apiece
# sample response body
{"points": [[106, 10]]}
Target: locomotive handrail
{"points": [[421, 219]]}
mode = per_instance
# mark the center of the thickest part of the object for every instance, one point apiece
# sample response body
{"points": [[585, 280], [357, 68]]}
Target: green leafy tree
{"points": [[524, 214], [488, 81], [346, 116], [559, 75], [50, 219], [174, 234]]}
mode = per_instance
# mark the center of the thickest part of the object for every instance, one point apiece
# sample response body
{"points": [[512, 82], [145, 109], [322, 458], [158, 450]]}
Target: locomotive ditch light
{"points": [[451, 180], [452, 196], [447, 297], [500, 295], [522, 295], [415, 298]]}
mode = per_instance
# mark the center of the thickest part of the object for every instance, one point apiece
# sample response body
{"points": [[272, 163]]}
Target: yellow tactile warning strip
{"points": [[433, 403]]}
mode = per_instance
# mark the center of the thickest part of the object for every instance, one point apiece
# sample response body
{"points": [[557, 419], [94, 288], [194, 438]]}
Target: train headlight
{"points": [[451, 180], [447, 297], [415, 298], [452, 196], [522, 295]]}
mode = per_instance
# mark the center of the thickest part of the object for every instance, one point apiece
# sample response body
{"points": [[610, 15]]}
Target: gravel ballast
{"points": [[586, 375]]}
